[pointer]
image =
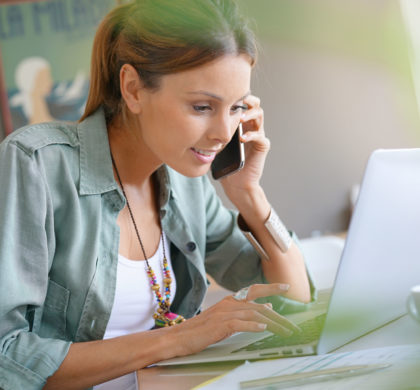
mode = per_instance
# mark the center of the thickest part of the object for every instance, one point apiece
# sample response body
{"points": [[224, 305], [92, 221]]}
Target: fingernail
{"points": [[262, 326], [269, 305], [284, 286], [244, 136]]}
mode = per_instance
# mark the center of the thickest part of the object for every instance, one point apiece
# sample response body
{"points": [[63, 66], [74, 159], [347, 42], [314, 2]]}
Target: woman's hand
{"points": [[230, 316], [256, 149]]}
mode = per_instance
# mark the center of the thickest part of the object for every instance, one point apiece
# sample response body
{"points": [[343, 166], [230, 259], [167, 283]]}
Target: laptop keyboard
{"points": [[311, 330]]}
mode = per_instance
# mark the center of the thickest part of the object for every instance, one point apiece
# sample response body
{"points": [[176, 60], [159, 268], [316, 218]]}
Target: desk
{"points": [[399, 332]]}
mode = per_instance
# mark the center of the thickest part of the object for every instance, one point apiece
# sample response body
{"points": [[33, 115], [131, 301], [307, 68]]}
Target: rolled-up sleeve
{"points": [[26, 251], [231, 260]]}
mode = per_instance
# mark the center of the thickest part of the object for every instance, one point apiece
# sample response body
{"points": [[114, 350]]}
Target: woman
{"points": [[110, 225]]}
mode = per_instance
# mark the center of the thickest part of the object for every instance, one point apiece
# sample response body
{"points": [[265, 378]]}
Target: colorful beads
{"points": [[163, 317], [169, 319]]}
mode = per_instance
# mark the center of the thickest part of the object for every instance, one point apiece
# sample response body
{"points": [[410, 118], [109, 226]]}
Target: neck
{"points": [[136, 163]]}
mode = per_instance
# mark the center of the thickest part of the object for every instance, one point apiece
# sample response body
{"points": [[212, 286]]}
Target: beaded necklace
{"points": [[163, 316]]}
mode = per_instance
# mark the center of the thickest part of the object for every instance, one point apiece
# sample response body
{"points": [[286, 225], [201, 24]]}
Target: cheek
{"points": [[170, 128], [176, 129], [179, 137]]}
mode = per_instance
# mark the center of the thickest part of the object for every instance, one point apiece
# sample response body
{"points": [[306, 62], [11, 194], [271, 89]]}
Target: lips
{"points": [[207, 153], [204, 156]]}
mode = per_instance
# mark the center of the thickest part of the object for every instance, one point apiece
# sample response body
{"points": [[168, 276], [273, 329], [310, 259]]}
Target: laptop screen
{"points": [[381, 257]]}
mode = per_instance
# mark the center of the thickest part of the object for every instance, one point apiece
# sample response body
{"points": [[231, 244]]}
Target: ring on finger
{"points": [[242, 294]]}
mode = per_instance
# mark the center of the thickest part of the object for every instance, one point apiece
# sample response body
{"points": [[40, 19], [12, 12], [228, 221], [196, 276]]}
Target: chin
{"points": [[191, 171]]}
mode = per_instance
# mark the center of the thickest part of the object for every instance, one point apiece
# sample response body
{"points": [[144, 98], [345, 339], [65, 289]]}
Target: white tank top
{"points": [[134, 305]]}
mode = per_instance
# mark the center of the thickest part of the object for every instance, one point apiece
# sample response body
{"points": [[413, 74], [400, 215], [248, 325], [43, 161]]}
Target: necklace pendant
{"points": [[167, 319]]}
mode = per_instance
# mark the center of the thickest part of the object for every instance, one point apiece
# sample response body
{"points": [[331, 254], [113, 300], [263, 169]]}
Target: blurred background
{"points": [[336, 81]]}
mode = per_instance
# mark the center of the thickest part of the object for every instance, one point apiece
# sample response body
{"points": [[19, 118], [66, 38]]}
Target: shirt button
{"points": [[191, 246]]}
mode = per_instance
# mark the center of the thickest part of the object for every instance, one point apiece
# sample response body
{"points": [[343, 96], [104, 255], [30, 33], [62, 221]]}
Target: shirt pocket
{"points": [[53, 323]]}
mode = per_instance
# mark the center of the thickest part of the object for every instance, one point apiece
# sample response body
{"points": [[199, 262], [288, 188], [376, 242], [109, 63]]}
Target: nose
{"points": [[223, 129]]}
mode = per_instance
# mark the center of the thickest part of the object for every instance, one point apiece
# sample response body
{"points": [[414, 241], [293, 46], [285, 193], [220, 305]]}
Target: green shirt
{"points": [[59, 244]]}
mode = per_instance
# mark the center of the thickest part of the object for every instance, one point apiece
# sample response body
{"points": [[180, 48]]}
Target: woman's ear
{"points": [[130, 85]]}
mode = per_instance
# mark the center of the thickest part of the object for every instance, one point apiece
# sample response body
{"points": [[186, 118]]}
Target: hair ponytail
{"points": [[104, 72]]}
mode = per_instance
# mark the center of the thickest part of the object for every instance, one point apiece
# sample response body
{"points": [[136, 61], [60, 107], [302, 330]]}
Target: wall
{"points": [[335, 84]]}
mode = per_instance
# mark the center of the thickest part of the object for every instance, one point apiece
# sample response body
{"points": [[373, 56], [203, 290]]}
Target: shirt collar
{"points": [[96, 174], [166, 192]]}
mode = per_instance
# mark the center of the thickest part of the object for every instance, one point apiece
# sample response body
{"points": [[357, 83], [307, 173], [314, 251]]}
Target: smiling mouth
{"points": [[207, 153]]}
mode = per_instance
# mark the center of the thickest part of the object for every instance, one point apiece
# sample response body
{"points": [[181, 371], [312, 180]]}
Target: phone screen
{"points": [[231, 159]]}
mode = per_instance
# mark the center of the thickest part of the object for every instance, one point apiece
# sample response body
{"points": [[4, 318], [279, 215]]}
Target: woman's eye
{"points": [[239, 107], [201, 108]]}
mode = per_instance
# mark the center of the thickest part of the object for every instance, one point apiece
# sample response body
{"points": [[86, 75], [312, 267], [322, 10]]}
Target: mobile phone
{"points": [[231, 159]]}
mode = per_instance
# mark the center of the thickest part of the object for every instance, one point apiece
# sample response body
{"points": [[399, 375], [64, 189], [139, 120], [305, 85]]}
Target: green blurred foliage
{"points": [[369, 30]]}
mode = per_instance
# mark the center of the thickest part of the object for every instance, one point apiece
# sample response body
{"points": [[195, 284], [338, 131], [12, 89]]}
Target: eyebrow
{"points": [[214, 96]]}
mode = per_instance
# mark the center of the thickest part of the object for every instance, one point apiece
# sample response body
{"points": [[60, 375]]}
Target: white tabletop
{"points": [[399, 332]]}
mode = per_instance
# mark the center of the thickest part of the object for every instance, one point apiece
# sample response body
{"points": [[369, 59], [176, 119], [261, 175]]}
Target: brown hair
{"points": [[160, 37]]}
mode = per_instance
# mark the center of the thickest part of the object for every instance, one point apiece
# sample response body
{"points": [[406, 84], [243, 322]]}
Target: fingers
{"points": [[245, 325], [266, 290], [253, 118], [260, 141], [230, 316], [263, 314], [252, 101], [275, 322], [272, 325], [277, 318], [252, 124]]}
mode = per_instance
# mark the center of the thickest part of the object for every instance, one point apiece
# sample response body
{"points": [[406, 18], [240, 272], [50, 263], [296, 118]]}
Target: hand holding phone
{"points": [[231, 159]]}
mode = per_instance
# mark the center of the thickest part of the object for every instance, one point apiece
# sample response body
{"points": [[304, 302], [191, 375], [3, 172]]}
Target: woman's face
{"points": [[195, 113]]}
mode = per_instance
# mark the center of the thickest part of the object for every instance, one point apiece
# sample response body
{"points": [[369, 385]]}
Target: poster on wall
{"points": [[45, 51]]}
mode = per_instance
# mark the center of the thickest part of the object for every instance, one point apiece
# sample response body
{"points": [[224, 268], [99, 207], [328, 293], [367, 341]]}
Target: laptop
{"points": [[379, 263]]}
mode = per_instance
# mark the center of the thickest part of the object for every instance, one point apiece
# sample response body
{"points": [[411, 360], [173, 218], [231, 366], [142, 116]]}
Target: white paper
{"points": [[402, 374]]}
